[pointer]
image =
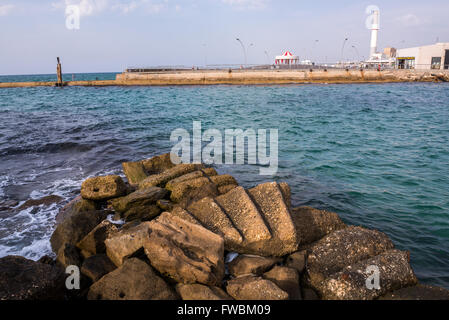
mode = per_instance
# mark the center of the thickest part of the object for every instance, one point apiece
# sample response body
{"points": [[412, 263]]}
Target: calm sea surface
{"points": [[376, 154]]}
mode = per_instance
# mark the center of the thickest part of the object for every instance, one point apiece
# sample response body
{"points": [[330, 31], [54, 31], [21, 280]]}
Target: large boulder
{"points": [[297, 260], [23, 279], [159, 163], [75, 227], [312, 224], [94, 241], [211, 216], [343, 248], [254, 288], [103, 188], [286, 279], [161, 179], [201, 292], [134, 280], [249, 264], [190, 176], [97, 266], [69, 255], [141, 204], [351, 283], [418, 292], [134, 172], [139, 199], [185, 252], [270, 201], [76, 205], [182, 189], [245, 216], [125, 243]]}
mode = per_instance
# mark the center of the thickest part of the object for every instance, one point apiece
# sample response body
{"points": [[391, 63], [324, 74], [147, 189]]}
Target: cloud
{"points": [[410, 20], [6, 9], [93, 7], [247, 4]]}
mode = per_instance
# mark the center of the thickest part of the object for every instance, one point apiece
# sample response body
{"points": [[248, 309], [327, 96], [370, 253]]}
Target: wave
{"points": [[48, 148]]}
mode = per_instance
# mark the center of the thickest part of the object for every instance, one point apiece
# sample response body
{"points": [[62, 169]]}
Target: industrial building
{"points": [[426, 57]]}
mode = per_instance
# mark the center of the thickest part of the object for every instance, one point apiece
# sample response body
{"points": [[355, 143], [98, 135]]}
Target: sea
{"points": [[377, 154]]}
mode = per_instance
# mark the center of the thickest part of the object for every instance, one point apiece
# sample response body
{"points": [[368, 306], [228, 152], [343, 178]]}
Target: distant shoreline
{"points": [[251, 77]]}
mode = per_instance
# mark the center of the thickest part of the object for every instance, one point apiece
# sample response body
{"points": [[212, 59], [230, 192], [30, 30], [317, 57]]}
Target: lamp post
{"points": [[244, 50], [357, 52], [313, 48], [205, 55], [268, 57], [342, 50]]}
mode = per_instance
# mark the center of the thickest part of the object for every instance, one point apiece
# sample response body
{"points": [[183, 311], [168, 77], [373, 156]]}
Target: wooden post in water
{"points": [[59, 73]]}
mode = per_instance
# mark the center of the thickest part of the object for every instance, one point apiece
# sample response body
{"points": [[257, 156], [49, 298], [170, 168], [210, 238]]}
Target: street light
{"points": [[268, 57], [357, 52], [342, 50], [244, 50], [205, 55]]}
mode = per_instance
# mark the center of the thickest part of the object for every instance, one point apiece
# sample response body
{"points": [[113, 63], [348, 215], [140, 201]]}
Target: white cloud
{"points": [[6, 9], [247, 4], [92, 7]]}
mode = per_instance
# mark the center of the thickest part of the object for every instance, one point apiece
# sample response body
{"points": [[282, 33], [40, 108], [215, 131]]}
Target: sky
{"points": [[116, 34]]}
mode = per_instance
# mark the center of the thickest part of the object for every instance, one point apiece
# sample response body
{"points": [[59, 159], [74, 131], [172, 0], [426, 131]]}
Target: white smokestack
{"points": [[374, 33]]}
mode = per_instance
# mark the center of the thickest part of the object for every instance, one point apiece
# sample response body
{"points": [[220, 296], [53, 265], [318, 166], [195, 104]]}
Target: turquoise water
{"points": [[376, 154]]}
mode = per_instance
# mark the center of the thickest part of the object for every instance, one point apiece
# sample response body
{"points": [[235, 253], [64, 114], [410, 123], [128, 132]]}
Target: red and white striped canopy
{"points": [[287, 58]]}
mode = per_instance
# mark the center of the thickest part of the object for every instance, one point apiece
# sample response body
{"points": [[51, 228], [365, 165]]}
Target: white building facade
{"points": [[430, 57]]}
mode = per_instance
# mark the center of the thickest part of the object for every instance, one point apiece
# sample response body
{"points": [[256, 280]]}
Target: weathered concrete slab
{"points": [[183, 189], [126, 242], [226, 188], [286, 193], [270, 201], [344, 248], [138, 200], [135, 280], [250, 264], [160, 179], [254, 288], [224, 180], [245, 216], [418, 292], [97, 266], [103, 188], [185, 252], [158, 164], [211, 216], [94, 241], [286, 279], [313, 224], [134, 172], [189, 176], [201, 292], [183, 214], [351, 283]]}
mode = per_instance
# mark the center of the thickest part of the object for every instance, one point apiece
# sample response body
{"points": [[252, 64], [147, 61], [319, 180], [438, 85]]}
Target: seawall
{"points": [[253, 77]]}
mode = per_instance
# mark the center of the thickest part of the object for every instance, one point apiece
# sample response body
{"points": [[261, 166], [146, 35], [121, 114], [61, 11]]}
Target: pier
{"points": [[249, 77]]}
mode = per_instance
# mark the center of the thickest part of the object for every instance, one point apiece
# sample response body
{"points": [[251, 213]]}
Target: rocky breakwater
{"points": [[186, 232]]}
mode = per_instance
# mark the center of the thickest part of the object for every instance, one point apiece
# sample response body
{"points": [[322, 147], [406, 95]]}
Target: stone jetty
{"points": [[170, 232], [250, 77]]}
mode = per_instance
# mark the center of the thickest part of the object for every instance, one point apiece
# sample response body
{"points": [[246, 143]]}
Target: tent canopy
{"points": [[287, 58]]}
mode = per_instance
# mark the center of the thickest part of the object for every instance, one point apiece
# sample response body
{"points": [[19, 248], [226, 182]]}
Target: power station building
{"points": [[427, 57]]}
